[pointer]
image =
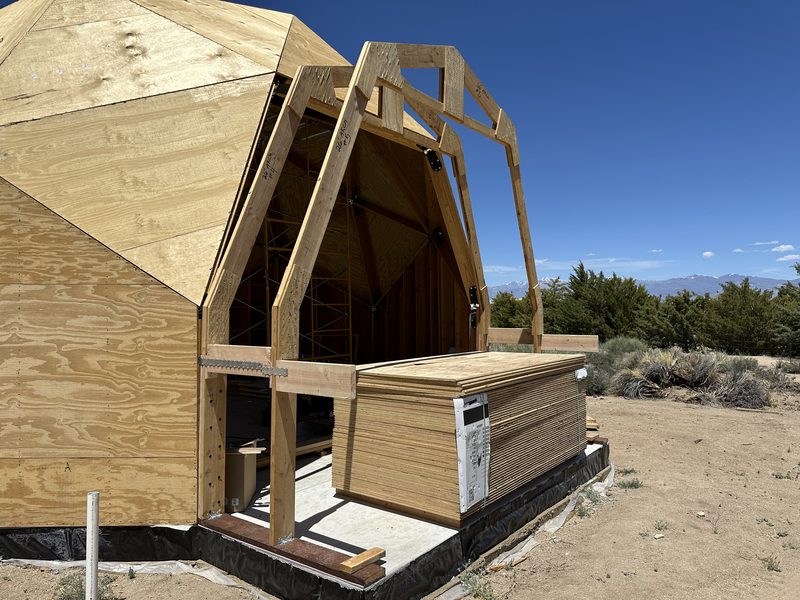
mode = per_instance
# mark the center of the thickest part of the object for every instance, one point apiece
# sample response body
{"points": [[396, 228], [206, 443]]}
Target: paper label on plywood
{"points": [[472, 444], [581, 374]]}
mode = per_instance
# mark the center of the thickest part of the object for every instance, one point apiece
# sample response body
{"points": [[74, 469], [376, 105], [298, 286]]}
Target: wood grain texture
{"points": [[50, 492], [16, 20], [63, 13], [38, 246], [318, 379], [164, 170], [211, 465], [61, 70], [304, 47], [255, 33], [96, 371], [453, 88]]}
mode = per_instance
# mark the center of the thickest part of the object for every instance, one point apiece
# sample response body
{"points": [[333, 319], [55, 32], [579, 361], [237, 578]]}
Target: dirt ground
{"points": [[27, 582], [721, 486]]}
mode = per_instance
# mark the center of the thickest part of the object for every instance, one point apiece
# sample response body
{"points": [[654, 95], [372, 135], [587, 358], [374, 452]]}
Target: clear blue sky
{"points": [[658, 139]]}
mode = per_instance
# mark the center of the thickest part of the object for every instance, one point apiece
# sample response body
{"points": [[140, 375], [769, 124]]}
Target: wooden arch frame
{"points": [[379, 65]]}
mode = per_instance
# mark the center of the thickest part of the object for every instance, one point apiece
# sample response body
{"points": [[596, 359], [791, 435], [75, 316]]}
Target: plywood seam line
{"points": [[156, 281], [308, 82], [38, 12], [215, 41]]}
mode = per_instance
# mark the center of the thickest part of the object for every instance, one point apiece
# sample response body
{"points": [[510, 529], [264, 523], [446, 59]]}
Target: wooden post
{"points": [[376, 60]]}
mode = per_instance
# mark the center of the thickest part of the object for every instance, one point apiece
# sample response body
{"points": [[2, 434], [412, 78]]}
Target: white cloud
{"points": [[541, 261], [765, 243], [619, 264], [784, 248], [708, 254], [503, 269], [789, 257], [590, 254], [656, 251], [738, 250]]}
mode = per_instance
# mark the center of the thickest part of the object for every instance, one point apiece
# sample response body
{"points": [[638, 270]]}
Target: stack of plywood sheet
{"points": [[395, 444]]}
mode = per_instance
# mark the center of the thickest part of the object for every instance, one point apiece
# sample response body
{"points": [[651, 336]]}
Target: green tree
{"points": [[740, 320], [508, 311], [674, 321], [787, 319], [553, 295]]}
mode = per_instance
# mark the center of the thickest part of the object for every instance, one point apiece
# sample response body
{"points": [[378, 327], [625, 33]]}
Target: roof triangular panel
{"points": [[63, 13], [255, 33], [15, 21], [304, 47], [75, 67], [153, 179], [42, 248]]}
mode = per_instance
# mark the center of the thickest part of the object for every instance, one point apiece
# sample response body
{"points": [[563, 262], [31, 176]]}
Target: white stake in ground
{"points": [[92, 543]]}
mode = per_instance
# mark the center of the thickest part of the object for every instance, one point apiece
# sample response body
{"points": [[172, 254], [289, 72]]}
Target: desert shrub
{"points": [[791, 365], [72, 587], [697, 370], [656, 365], [614, 356], [742, 389], [631, 384], [738, 363]]}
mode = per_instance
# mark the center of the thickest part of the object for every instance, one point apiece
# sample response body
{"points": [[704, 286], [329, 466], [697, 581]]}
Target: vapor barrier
{"points": [[291, 581]]}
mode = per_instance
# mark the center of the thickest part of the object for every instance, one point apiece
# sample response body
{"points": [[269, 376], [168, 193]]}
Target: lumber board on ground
{"points": [[97, 370], [63, 13], [95, 64], [394, 444], [359, 561], [48, 492], [256, 33], [16, 20], [166, 168]]}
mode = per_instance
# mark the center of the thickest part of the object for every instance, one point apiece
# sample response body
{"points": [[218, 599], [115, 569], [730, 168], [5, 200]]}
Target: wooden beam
{"points": [[452, 224], [453, 88], [481, 94], [537, 311], [367, 254], [317, 379], [309, 82], [452, 141], [376, 61], [379, 210], [391, 109], [553, 342], [260, 354], [419, 56]]}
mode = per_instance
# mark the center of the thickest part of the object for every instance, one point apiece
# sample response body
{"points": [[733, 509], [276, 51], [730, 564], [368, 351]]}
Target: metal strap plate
{"points": [[245, 365]]}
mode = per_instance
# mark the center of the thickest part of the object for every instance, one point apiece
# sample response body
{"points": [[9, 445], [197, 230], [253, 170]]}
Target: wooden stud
{"points": [[453, 88], [481, 94], [550, 341], [421, 303], [367, 253], [391, 108]]}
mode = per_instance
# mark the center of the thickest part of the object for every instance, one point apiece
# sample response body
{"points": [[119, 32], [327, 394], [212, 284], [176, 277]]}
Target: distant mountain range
{"points": [[699, 284]]}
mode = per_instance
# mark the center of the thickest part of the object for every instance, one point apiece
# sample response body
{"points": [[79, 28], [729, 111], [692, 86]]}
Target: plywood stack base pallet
{"points": [[395, 444]]}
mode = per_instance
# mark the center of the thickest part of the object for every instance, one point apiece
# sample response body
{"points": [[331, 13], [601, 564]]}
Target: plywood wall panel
{"points": [[252, 32], [16, 20], [145, 171], [38, 246], [63, 13], [83, 66], [133, 491], [97, 370]]}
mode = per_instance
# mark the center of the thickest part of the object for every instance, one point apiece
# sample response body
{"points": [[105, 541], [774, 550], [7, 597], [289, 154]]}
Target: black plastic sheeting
{"points": [[290, 581]]}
